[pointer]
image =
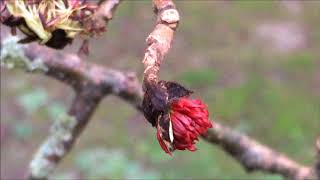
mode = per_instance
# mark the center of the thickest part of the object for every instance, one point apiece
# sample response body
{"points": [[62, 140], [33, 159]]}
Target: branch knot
{"points": [[170, 17]]}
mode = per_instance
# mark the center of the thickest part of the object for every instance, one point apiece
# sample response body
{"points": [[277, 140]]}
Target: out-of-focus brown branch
{"points": [[64, 132], [70, 69], [254, 156], [91, 83]]}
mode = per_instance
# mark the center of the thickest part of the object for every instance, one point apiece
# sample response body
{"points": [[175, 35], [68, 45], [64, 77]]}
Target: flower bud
{"points": [[179, 119]]}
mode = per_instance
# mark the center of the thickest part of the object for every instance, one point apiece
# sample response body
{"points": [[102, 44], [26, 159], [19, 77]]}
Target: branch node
{"points": [[170, 17]]}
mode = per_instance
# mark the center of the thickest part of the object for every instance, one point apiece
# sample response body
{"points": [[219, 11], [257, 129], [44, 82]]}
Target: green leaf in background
{"points": [[65, 176], [153, 150], [273, 177], [198, 77], [232, 101], [133, 170], [33, 99], [149, 175], [54, 110], [304, 62], [22, 130], [254, 5], [243, 126], [103, 163]]}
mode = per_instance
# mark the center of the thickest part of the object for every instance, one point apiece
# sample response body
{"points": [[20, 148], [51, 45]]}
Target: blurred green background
{"points": [[255, 63]]}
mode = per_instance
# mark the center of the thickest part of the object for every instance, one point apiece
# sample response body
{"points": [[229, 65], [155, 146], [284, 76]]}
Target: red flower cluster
{"points": [[189, 120]]}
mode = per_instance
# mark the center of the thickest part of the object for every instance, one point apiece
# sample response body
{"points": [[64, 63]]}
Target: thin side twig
{"points": [[159, 40]]}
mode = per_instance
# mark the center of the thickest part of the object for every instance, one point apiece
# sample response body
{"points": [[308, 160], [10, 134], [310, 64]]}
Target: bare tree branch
{"points": [[254, 156], [93, 82], [70, 69], [64, 133], [105, 11]]}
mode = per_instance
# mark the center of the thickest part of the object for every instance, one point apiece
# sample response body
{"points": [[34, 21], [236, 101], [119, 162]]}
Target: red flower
{"points": [[188, 120]]}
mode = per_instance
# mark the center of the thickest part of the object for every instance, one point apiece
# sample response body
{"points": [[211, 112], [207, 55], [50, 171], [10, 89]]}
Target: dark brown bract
{"points": [[178, 119]]}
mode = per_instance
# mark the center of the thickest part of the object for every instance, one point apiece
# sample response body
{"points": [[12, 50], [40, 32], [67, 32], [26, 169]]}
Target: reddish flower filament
{"points": [[189, 120]]}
